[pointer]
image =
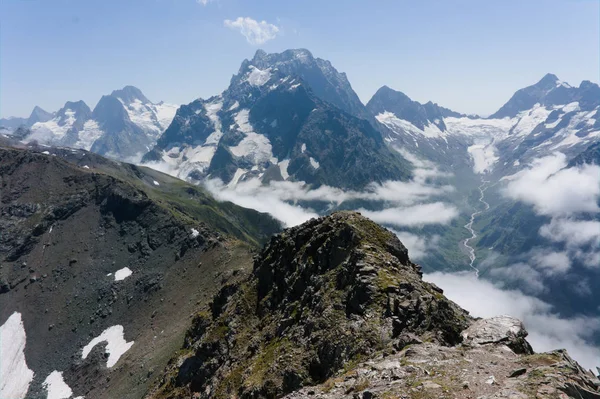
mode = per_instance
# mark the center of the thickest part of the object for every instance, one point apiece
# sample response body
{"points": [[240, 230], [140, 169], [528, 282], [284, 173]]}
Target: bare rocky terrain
{"points": [[70, 220], [334, 308]]}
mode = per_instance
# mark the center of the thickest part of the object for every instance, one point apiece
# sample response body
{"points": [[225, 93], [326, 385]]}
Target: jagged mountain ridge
{"points": [[123, 125], [270, 124], [337, 303], [538, 120]]}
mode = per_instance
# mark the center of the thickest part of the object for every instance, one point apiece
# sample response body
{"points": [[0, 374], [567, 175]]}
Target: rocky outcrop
{"points": [[322, 296], [334, 308], [501, 329], [431, 371]]}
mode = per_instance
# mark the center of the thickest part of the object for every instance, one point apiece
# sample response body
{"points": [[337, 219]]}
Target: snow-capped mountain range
{"points": [[124, 124], [291, 116], [281, 118], [540, 119]]}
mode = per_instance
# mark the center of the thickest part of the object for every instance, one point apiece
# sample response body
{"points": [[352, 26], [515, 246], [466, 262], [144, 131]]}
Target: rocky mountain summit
{"points": [[284, 116], [334, 308]]}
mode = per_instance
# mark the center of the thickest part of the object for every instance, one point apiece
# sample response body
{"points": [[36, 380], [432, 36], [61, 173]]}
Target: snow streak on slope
{"points": [[152, 118], [57, 388], [15, 376], [394, 123], [483, 155], [254, 147], [116, 345]]}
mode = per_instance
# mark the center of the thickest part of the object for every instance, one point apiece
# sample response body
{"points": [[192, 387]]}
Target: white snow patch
{"points": [[15, 376], [314, 163], [274, 123], [156, 183], [85, 167], [303, 148], [56, 386], [255, 147], [116, 345], [241, 119], [195, 233], [236, 177], [399, 126], [46, 152], [283, 166], [257, 77], [530, 119], [90, 133], [234, 106], [571, 107], [484, 157], [123, 273]]}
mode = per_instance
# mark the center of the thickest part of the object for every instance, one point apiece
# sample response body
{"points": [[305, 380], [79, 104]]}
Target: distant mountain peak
{"points": [[548, 78], [129, 94], [320, 75], [403, 107], [38, 115], [550, 90]]}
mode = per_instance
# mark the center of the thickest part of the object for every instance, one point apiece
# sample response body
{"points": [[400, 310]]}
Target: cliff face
{"points": [[334, 308]]}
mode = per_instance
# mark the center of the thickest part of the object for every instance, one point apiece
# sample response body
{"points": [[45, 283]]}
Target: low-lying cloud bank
{"points": [[570, 197], [547, 330], [405, 203]]}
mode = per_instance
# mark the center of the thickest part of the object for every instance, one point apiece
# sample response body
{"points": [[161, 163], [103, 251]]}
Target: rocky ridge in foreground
{"points": [[334, 308]]}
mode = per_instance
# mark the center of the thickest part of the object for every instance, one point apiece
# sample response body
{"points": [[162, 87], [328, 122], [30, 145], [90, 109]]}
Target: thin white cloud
{"points": [[569, 196], [521, 275], [574, 233], [254, 31], [554, 190], [547, 330], [408, 201], [414, 216], [551, 262], [253, 195], [204, 2]]}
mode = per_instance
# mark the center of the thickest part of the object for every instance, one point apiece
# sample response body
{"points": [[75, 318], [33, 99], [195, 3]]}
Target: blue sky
{"points": [[467, 55]]}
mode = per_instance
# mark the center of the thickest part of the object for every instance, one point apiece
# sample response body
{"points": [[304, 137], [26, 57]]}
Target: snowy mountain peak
{"points": [[549, 81], [129, 95], [73, 111], [323, 79], [548, 91], [388, 104], [38, 115]]}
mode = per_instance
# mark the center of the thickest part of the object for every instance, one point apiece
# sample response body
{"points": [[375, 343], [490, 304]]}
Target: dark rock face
{"points": [[328, 292], [590, 155], [326, 82], [121, 136], [325, 138]]}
